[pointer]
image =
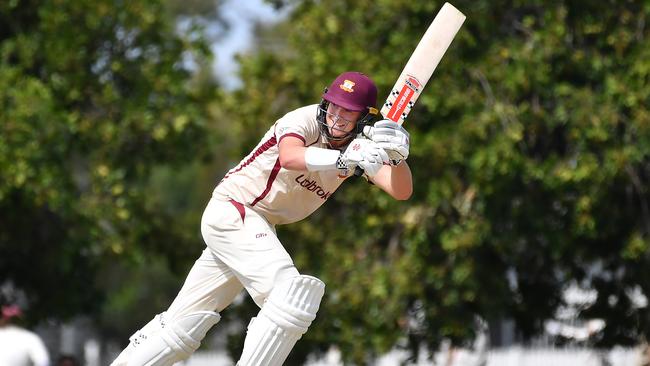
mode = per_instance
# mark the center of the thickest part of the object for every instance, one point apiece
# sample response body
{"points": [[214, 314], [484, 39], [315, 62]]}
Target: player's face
{"points": [[341, 121]]}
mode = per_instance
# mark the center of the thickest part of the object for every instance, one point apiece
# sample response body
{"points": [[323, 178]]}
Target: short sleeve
{"points": [[300, 124]]}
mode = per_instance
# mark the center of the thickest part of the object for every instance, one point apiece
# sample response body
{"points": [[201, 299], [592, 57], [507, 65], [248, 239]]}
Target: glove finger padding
{"points": [[395, 151], [391, 137], [366, 154], [375, 154], [352, 156], [370, 168], [386, 127], [374, 158], [396, 139]]}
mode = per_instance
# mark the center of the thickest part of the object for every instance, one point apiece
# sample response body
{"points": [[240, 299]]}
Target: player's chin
{"points": [[339, 134], [341, 141]]}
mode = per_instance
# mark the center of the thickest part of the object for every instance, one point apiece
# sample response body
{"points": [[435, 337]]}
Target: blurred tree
{"points": [[530, 155], [531, 161], [94, 95]]}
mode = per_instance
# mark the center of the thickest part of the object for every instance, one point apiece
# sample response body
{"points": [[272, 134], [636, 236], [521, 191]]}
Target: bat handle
{"points": [[358, 171]]}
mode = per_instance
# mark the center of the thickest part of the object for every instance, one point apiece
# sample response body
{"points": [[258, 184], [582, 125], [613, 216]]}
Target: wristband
{"points": [[318, 159]]}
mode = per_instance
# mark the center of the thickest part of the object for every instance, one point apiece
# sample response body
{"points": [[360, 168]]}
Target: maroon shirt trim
{"points": [[260, 150], [293, 134], [269, 182]]}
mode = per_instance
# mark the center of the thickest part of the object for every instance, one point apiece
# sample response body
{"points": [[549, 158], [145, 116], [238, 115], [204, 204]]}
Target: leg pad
{"points": [[284, 318], [175, 341]]}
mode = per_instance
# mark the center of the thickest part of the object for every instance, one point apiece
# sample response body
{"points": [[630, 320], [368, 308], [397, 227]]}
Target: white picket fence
{"points": [[513, 356], [558, 357]]}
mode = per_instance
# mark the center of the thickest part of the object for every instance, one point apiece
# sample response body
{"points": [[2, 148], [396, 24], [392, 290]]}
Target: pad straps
{"points": [[284, 318]]}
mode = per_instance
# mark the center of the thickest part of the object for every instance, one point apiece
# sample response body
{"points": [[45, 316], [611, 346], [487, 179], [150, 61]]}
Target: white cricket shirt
{"points": [[282, 196], [20, 347]]}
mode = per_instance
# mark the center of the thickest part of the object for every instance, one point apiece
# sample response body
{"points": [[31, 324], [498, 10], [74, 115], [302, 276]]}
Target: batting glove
{"points": [[365, 154], [391, 137]]}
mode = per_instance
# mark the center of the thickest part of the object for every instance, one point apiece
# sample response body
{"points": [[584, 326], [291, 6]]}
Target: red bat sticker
{"points": [[410, 88]]}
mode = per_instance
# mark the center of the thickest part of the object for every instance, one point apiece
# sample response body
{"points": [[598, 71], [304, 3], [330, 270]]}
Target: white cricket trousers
{"points": [[242, 251]]}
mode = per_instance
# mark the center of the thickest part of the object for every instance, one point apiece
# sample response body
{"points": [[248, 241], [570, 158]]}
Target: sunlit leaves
{"points": [[93, 96], [529, 153]]}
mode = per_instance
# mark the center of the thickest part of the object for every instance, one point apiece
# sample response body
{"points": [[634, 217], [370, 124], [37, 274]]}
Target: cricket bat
{"points": [[422, 63]]}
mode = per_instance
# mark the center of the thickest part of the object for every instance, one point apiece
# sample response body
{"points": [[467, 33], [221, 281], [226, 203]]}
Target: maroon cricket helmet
{"points": [[352, 90]]}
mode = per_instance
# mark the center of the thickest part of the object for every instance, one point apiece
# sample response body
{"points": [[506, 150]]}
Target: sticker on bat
{"points": [[409, 91], [413, 83]]}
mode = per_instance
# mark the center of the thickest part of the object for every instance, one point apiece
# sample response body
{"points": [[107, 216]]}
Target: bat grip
{"points": [[358, 171]]}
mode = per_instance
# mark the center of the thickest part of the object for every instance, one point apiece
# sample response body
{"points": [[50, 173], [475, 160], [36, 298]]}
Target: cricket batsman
{"points": [[299, 163]]}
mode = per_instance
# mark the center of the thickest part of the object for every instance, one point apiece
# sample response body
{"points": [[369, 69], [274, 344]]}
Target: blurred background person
{"points": [[67, 360], [19, 346]]}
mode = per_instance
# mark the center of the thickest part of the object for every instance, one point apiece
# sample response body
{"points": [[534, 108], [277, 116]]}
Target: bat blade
{"points": [[422, 63]]}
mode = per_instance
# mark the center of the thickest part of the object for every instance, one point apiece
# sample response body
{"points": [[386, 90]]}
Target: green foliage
{"points": [[93, 95], [531, 162], [530, 155]]}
